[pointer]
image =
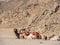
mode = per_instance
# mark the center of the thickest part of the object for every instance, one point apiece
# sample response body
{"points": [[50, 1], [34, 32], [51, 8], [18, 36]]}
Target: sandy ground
{"points": [[7, 33], [27, 42]]}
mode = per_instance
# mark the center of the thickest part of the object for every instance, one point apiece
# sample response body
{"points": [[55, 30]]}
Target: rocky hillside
{"points": [[37, 15]]}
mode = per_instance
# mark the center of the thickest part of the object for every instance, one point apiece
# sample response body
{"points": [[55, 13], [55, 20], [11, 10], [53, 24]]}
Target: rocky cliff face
{"points": [[37, 15]]}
